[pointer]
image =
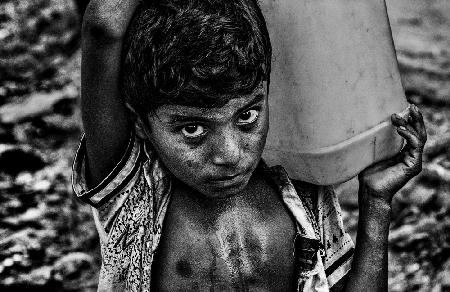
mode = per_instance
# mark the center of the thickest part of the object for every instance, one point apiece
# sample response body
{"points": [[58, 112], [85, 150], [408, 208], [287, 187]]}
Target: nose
{"points": [[226, 149]]}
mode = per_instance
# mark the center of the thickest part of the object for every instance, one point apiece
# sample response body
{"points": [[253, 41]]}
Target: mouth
{"points": [[228, 181], [225, 177]]}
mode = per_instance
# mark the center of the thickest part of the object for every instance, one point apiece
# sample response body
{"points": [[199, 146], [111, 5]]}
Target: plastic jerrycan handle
{"points": [[334, 85]]}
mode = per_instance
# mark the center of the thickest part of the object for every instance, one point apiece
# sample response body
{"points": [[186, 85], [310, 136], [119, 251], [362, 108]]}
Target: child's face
{"points": [[213, 150]]}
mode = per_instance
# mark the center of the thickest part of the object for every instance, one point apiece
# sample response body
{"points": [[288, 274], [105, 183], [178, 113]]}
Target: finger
{"points": [[406, 152], [418, 123], [411, 124], [410, 137], [410, 161], [400, 121], [410, 157]]}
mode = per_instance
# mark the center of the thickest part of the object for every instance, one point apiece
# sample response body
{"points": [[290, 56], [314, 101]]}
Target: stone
{"points": [[19, 159], [420, 195], [443, 197], [35, 105], [71, 264]]}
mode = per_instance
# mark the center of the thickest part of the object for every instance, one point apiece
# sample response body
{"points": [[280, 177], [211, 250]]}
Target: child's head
{"points": [[194, 52], [197, 71]]}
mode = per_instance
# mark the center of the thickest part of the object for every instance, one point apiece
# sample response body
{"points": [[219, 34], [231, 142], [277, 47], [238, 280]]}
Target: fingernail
{"points": [[403, 128]]}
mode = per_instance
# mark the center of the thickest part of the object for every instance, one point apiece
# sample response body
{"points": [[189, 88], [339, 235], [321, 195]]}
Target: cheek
{"points": [[187, 169], [255, 144], [178, 157], [189, 164], [257, 140], [181, 160]]}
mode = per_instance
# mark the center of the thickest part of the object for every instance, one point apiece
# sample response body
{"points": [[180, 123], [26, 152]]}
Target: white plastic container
{"points": [[334, 85]]}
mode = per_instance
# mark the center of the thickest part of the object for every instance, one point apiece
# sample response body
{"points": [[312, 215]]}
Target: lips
{"points": [[226, 181], [225, 177]]}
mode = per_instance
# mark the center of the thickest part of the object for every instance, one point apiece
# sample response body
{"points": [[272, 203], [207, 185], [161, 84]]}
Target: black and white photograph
{"points": [[224, 145]]}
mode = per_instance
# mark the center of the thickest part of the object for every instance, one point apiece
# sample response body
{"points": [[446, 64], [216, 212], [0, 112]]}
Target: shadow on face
{"points": [[212, 150]]}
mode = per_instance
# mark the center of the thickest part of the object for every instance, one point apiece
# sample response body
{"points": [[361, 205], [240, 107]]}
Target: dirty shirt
{"points": [[129, 206]]}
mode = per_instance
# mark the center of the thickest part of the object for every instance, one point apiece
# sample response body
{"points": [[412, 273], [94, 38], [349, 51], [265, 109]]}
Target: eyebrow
{"points": [[179, 118]]}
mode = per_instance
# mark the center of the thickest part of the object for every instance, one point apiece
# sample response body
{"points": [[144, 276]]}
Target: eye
{"points": [[193, 131], [248, 117]]}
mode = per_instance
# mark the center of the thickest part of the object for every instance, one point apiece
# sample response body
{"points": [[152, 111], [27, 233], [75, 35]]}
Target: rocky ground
{"points": [[47, 238]]}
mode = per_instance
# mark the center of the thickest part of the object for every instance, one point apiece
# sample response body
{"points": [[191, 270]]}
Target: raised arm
{"points": [[378, 184], [105, 119]]}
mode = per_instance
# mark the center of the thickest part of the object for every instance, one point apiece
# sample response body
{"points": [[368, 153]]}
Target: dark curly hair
{"points": [[193, 52]]}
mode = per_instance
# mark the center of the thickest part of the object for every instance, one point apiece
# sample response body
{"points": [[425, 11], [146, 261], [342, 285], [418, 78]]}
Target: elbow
{"points": [[101, 26]]}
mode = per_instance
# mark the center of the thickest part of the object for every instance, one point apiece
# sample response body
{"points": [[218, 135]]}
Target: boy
{"points": [[184, 202]]}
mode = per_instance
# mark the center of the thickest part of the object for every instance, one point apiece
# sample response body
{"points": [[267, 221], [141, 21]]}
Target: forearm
{"points": [[104, 114], [105, 117], [370, 263]]}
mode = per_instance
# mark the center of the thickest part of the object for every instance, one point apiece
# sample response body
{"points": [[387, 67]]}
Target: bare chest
{"points": [[240, 248]]}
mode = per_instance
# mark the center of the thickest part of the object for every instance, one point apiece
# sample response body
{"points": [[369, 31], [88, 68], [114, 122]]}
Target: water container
{"points": [[334, 85]]}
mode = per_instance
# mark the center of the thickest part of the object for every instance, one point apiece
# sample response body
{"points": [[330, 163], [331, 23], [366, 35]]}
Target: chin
{"points": [[224, 194]]}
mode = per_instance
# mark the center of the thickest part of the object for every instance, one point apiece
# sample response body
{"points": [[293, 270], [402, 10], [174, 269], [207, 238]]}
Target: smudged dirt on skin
{"points": [[48, 241]]}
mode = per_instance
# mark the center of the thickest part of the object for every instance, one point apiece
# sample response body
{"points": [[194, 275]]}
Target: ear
{"points": [[141, 128]]}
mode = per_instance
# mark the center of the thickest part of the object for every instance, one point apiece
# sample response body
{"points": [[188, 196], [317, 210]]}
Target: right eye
{"points": [[193, 131]]}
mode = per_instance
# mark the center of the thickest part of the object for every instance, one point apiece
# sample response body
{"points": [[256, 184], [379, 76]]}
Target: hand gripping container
{"points": [[334, 85]]}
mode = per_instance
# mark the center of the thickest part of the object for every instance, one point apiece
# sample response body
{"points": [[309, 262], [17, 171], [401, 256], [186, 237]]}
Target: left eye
{"points": [[248, 117], [193, 131]]}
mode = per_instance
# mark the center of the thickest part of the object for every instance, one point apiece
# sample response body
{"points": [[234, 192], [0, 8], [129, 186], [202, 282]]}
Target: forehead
{"points": [[173, 113]]}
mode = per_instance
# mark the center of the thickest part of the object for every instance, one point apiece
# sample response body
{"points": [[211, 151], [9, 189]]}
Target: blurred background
{"points": [[48, 241]]}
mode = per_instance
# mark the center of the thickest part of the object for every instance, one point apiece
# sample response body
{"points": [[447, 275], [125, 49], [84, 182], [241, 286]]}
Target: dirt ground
{"points": [[48, 241]]}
